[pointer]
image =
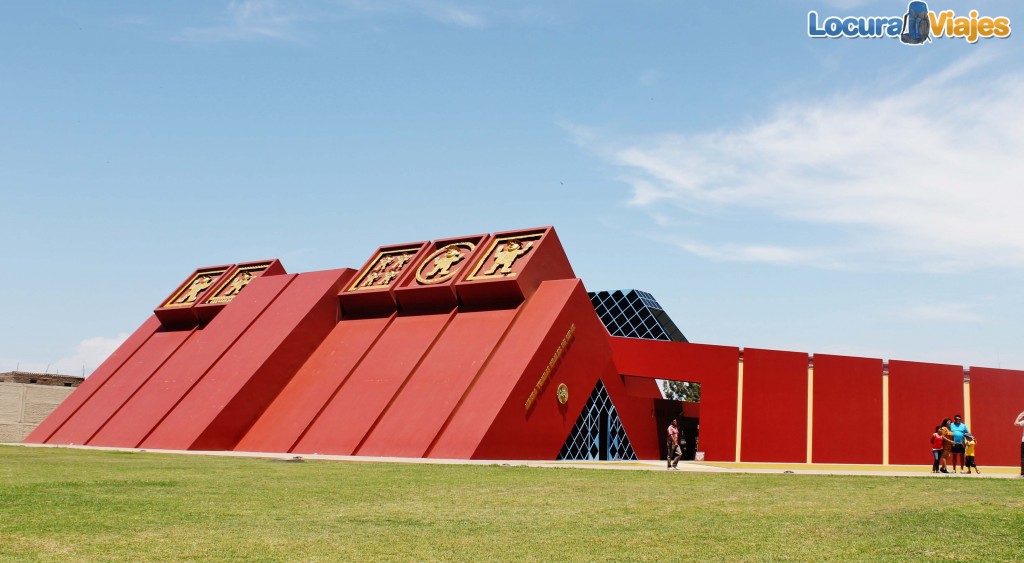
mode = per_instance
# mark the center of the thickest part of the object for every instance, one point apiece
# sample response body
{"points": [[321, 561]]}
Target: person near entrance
{"points": [[672, 445]]}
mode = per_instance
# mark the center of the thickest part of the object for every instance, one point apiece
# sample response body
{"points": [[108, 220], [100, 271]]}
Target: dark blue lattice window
{"points": [[632, 313], [598, 433]]}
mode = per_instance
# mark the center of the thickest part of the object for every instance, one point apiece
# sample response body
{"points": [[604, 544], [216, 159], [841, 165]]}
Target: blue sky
{"points": [[771, 190]]}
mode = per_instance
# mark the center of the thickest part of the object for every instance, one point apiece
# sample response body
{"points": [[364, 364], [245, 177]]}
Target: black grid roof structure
{"points": [[632, 313]]}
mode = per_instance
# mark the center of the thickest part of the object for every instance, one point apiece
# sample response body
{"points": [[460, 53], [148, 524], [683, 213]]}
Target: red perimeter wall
{"points": [[774, 406], [714, 367], [847, 396], [920, 396], [997, 397]]}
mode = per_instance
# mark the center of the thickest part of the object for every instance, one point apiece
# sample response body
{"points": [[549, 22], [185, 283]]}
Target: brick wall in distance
{"points": [[23, 406]]}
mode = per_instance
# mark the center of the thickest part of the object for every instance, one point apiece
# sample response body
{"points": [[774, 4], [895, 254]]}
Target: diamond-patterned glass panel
{"points": [[632, 313], [598, 419]]}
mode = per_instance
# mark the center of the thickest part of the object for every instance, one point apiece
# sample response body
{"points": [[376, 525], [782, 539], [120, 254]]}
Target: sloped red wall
{"points": [[70, 406], [490, 421], [409, 426], [109, 399], [169, 384], [215, 413]]}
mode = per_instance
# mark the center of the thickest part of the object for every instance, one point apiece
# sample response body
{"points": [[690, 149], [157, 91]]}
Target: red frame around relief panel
{"points": [[181, 314], [232, 283], [365, 294], [432, 284], [503, 275]]}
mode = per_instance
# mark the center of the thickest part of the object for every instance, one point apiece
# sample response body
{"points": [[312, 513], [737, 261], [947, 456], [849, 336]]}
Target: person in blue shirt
{"points": [[959, 430]]}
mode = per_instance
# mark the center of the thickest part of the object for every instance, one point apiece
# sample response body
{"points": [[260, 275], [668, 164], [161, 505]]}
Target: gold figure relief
{"points": [[238, 282], [195, 289], [502, 255], [387, 266], [438, 267], [197, 286]]}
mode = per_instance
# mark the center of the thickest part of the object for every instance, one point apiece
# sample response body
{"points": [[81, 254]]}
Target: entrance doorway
{"points": [[688, 415]]}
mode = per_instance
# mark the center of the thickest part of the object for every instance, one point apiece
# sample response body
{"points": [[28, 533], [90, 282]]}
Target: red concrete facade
{"points": [[774, 406], [996, 396], [920, 396], [486, 347], [847, 395]]}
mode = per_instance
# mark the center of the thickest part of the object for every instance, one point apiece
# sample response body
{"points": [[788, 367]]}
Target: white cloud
{"points": [[940, 312], [924, 178], [746, 253], [451, 14], [87, 355], [438, 10], [246, 20]]}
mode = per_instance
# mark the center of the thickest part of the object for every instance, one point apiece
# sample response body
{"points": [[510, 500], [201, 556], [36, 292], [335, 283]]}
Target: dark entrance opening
{"points": [[688, 415]]}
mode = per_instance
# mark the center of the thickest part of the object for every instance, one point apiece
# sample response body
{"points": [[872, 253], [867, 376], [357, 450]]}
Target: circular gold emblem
{"points": [[562, 393], [438, 267]]}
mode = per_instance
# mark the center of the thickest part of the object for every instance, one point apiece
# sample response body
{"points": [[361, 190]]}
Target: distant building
{"points": [[27, 398]]}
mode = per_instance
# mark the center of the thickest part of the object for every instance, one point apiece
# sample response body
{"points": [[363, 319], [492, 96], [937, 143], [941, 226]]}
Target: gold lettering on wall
{"points": [[551, 367]]}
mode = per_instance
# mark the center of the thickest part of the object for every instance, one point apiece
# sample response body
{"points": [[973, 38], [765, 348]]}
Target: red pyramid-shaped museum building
{"points": [[489, 347]]}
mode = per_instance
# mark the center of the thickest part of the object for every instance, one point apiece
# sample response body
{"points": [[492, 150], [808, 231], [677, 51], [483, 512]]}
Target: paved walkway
{"points": [[684, 467]]}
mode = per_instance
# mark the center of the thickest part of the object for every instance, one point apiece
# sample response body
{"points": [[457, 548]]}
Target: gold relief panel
{"points": [[442, 265], [241, 278], [502, 255], [384, 269], [195, 288]]}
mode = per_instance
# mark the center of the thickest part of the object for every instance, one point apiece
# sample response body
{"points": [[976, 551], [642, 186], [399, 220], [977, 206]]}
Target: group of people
{"points": [[952, 440]]}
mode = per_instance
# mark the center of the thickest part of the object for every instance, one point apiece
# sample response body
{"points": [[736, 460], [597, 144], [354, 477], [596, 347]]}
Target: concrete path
{"points": [[684, 467]]}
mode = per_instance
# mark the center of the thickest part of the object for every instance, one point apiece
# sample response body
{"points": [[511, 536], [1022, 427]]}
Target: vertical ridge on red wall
{"points": [[407, 427], [319, 379], [146, 408], [348, 417], [108, 401], [222, 405], [84, 392], [520, 360]]}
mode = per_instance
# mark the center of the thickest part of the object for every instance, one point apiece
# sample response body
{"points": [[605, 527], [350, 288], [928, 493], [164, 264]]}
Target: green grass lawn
{"points": [[65, 504]]}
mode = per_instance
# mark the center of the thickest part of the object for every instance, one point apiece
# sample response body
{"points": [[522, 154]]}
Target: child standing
{"points": [[969, 443], [937, 443]]}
